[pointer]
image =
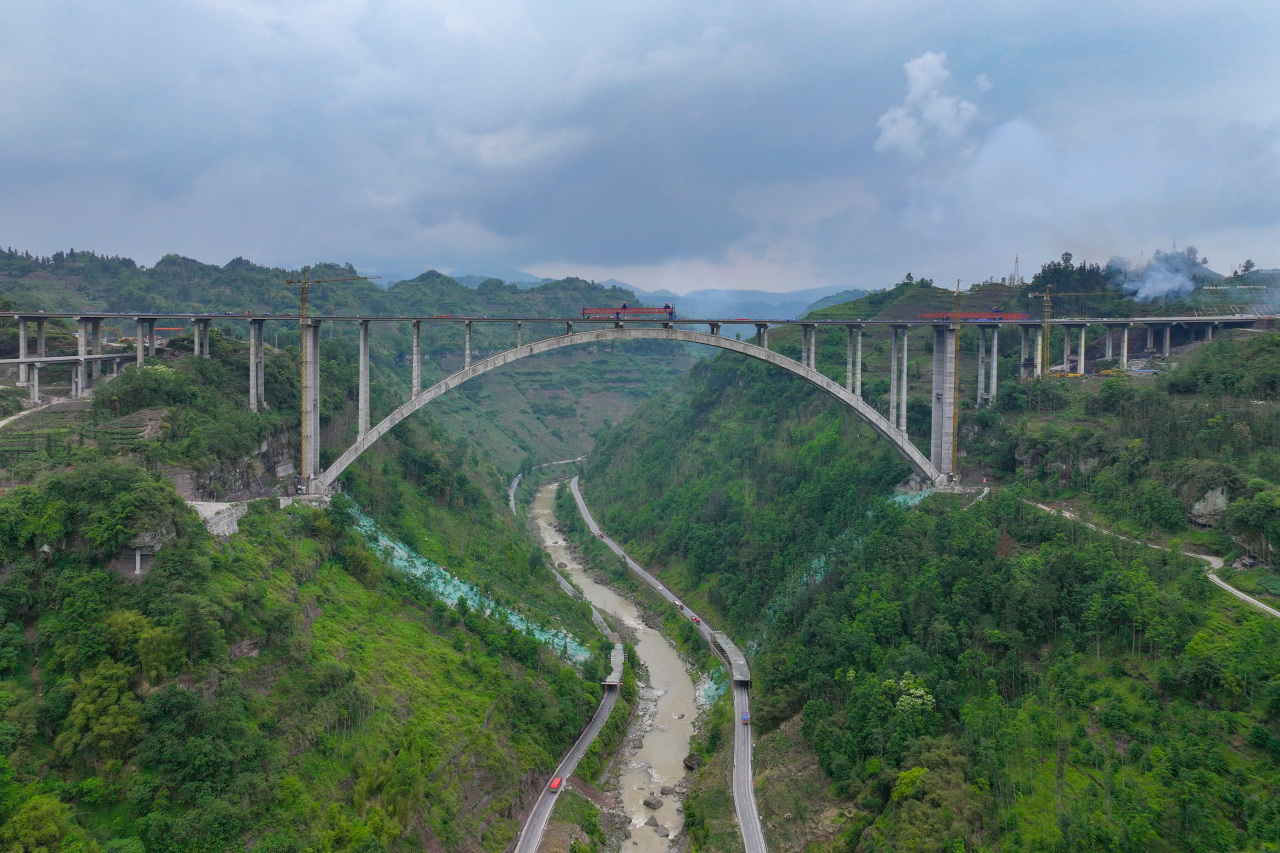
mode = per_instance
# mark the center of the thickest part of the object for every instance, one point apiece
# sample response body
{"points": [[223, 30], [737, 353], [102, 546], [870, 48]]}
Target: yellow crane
{"points": [[1048, 315]]}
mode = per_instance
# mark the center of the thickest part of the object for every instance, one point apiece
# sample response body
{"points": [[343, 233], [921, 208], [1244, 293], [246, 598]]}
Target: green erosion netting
{"points": [[450, 588]]}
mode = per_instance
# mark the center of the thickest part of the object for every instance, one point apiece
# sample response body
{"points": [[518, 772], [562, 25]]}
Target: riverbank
{"points": [[651, 772]]}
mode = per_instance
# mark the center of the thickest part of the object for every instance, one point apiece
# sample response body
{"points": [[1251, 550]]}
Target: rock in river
{"points": [[653, 802]]}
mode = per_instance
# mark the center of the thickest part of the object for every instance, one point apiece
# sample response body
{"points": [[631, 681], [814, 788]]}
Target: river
{"points": [[667, 704]]}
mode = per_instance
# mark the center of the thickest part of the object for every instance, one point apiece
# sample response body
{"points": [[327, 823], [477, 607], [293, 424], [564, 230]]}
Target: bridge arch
{"points": [[896, 438]]}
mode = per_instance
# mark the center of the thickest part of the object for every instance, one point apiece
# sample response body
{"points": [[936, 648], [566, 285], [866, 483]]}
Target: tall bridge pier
{"points": [[937, 468]]}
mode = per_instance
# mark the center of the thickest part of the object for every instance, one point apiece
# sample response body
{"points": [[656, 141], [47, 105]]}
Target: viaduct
{"points": [[936, 469]]}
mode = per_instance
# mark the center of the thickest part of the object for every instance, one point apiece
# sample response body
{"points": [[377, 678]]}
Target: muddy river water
{"points": [[667, 704]]}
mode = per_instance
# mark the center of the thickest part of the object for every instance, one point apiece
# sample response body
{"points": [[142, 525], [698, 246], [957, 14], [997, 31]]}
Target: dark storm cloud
{"points": [[671, 144]]}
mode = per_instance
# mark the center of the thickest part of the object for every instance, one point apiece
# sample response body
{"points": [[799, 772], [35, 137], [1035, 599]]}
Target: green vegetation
{"points": [[286, 690], [982, 678]]}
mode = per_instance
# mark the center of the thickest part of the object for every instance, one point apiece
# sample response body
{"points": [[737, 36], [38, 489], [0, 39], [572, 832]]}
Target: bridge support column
{"points": [[982, 366], [257, 361], [151, 338], [903, 384], [518, 324], [140, 347], [1066, 350], [1038, 370], [1208, 332], [568, 328], [857, 364], [95, 329], [848, 359], [762, 335], [893, 376], [1151, 339], [466, 356], [1110, 334], [33, 381], [995, 364], [198, 350], [1124, 348], [1024, 351], [942, 434], [1168, 334], [416, 370], [715, 328], [810, 334], [363, 425], [82, 367], [1083, 329], [310, 404], [22, 351]]}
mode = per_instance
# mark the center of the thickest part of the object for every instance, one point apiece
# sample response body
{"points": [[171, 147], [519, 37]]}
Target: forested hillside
{"points": [[289, 689], [541, 409], [972, 678]]}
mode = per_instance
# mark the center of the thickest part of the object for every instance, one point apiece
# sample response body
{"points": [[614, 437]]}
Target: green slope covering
{"points": [[990, 678], [540, 409], [289, 689]]}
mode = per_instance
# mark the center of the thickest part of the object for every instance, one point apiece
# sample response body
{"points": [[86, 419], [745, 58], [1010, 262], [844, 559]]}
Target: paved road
{"points": [[515, 484], [531, 834], [744, 792], [1215, 563], [744, 783]]}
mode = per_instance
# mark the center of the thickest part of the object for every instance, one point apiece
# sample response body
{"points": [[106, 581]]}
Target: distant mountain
{"points": [[836, 299], [755, 304], [509, 275]]}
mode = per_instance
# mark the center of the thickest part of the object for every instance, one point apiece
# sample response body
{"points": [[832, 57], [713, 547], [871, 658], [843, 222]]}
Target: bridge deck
{"points": [[615, 661], [738, 668]]}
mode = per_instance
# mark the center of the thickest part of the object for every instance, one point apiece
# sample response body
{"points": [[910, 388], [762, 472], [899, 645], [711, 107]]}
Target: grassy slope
{"points": [[375, 716]]}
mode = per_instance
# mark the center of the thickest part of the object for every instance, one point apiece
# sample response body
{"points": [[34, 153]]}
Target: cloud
{"points": [[926, 113], [658, 138]]}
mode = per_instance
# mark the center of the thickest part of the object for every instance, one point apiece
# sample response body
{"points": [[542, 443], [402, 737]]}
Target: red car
{"points": [[697, 621], [556, 784]]}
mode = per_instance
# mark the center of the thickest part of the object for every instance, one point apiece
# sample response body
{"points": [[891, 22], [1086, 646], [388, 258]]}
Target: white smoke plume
{"points": [[1165, 275]]}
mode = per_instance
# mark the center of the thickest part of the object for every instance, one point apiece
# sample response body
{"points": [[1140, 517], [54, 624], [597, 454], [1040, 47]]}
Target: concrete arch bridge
{"points": [[936, 469]]}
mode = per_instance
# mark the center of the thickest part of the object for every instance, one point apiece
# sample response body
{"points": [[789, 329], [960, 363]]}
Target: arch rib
{"points": [[910, 454]]}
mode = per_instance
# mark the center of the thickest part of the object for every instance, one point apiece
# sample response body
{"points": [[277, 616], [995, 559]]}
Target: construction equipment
{"points": [[1048, 314]]}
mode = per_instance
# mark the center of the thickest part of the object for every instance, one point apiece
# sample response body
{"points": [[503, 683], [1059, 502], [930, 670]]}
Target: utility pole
{"points": [[310, 358]]}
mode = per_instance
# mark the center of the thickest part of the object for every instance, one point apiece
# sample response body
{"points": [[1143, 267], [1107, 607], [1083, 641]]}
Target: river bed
{"points": [[667, 705]]}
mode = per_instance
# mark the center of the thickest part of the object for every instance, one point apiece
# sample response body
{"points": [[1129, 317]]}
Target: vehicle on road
{"points": [[746, 718], [556, 784], [679, 604], [697, 621]]}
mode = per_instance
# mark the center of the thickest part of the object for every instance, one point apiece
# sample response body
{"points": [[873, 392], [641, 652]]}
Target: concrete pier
{"points": [[942, 434], [982, 366], [903, 383], [1168, 334], [857, 365], [995, 362], [257, 361], [762, 335], [1124, 348], [466, 356], [363, 426], [310, 468], [893, 376], [416, 369], [23, 351]]}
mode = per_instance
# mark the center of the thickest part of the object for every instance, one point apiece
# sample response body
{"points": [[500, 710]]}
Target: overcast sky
{"points": [[683, 145]]}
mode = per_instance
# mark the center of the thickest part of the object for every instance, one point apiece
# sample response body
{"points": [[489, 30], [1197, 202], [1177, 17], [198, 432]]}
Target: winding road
{"points": [[744, 792], [1215, 563], [531, 834]]}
